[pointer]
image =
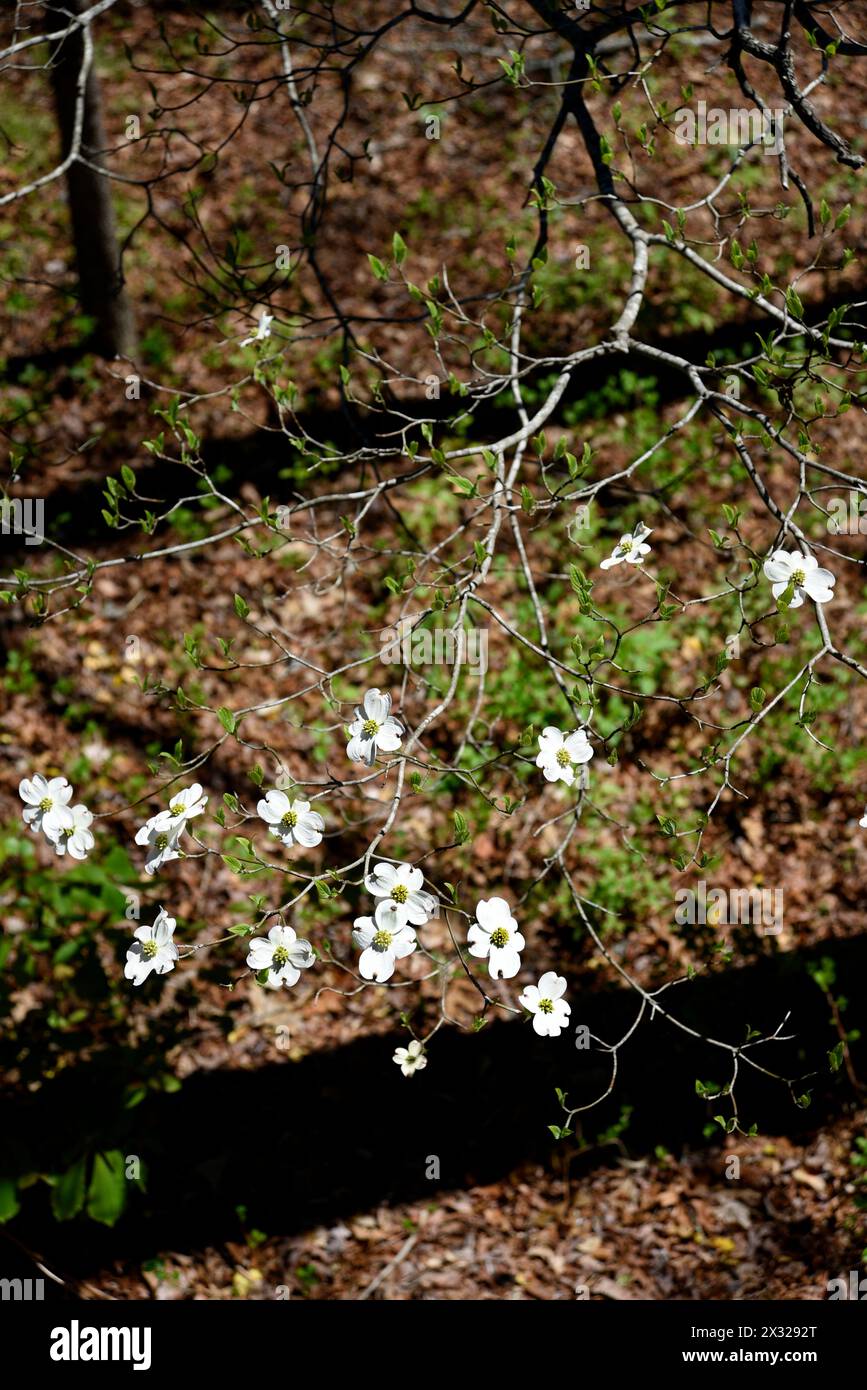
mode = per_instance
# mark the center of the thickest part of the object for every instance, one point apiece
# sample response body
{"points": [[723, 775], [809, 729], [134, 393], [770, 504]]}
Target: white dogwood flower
{"points": [[41, 795], [382, 941], [560, 754], [293, 822], [161, 835], [153, 949], [863, 821], [787, 567], [263, 330], [373, 729], [282, 955], [188, 802], [403, 898], [495, 934], [68, 829], [630, 548], [410, 1059], [550, 1011]]}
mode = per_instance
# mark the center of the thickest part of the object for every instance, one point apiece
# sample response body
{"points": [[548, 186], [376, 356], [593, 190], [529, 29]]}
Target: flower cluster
{"points": [[162, 833], [47, 808], [494, 935], [402, 905], [388, 935]]}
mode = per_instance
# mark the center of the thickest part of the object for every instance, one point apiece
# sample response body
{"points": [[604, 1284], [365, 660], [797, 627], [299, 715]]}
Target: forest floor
{"points": [[637, 1227], [757, 1219]]}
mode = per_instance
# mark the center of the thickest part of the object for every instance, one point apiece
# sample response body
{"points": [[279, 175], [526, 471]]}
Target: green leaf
{"points": [[106, 1197], [577, 580], [379, 268], [67, 1195], [462, 830], [398, 249], [757, 697], [559, 1133], [9, 1204], [464, 485], [242, 608], [128, 476], [794, 303], [227, 719]]}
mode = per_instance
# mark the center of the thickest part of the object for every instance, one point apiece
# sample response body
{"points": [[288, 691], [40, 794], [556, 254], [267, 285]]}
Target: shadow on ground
{"points": [[299, 1144]]}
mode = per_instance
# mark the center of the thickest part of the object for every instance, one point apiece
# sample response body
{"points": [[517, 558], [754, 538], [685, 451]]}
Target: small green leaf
{"points": [[106, 1197], [67, 1195], [9, 1204]]}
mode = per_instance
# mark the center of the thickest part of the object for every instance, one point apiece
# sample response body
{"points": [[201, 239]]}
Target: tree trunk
{"points": [[100, 273]]}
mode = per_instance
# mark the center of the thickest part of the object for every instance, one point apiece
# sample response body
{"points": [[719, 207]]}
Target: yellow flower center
{"points": [[382, 941], [563, 757], [499, 938], [289, 821], [280, 957], [798, 577], [400, 892], [546, 1006], [369, 728], [46, 803], [176, 808], [149, 949], [161, 841]]}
